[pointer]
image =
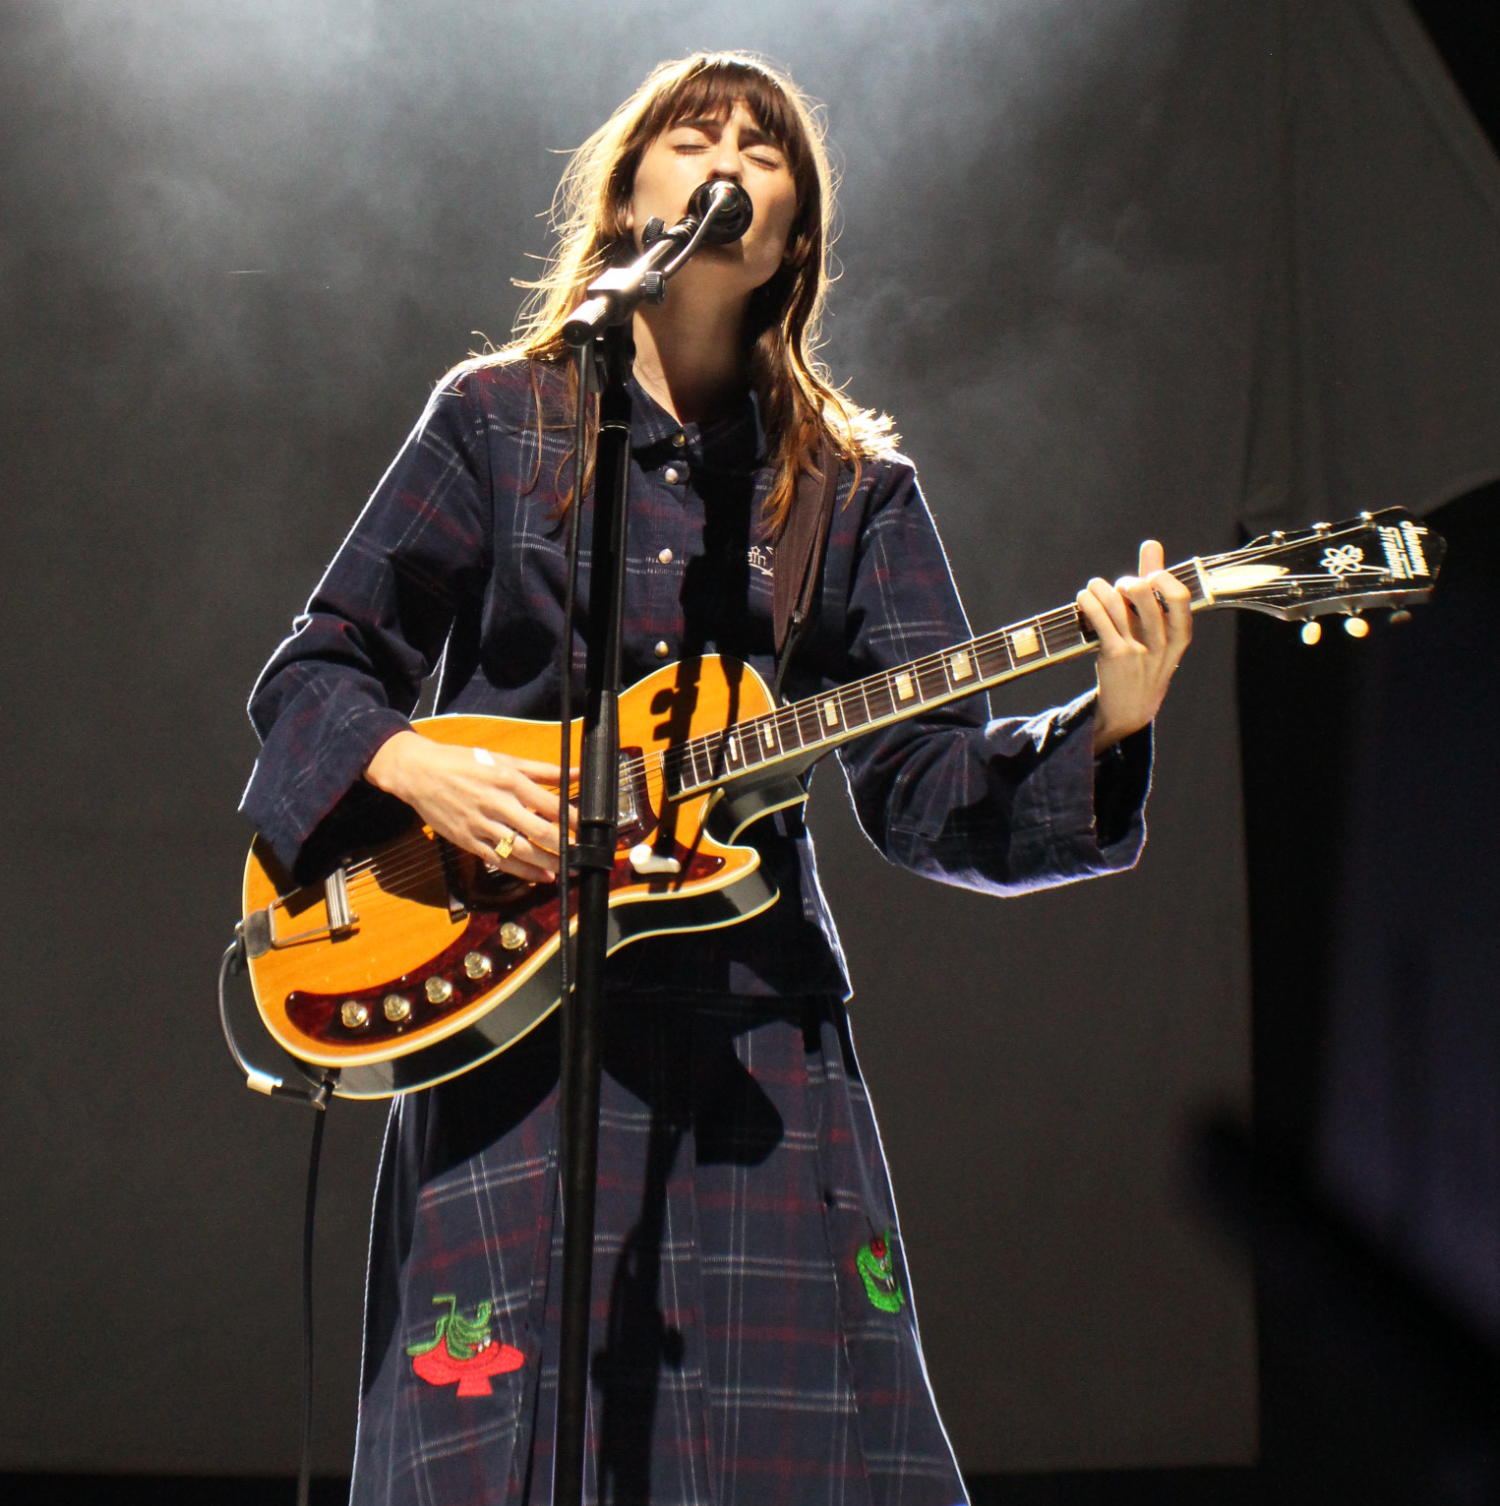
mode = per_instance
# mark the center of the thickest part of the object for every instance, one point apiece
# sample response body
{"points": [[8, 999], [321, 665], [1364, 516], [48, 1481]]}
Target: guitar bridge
{"points": [[259, 927]]}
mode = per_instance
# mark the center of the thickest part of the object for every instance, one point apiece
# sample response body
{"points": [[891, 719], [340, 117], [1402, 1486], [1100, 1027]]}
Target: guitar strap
{"points": [[799, 557]]}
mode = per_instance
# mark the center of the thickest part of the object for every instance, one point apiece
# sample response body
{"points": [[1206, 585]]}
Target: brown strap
{"points": [[799, 554]]}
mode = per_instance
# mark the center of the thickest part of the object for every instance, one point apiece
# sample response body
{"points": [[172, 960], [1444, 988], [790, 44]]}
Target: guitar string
{"points": [[787, 719], [383, 875], [422, 860]]}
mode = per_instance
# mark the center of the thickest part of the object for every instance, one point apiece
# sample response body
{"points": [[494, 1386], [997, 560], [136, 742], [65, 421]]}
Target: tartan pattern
{"points": [[457, 566], [736, 1356]]}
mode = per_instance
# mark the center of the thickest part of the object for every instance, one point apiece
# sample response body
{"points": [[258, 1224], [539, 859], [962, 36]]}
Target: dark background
{"points": [[1220, 265]]}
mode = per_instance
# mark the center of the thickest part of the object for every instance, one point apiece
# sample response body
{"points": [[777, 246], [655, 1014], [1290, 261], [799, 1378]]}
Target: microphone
{"points": [[723, 209], [719, 213]]}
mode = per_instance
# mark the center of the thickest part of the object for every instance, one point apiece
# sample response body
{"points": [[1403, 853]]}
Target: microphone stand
{"points": [[600, 330]]}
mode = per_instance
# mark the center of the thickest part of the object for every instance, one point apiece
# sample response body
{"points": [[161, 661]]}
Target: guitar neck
{"points": [[805, 730]]}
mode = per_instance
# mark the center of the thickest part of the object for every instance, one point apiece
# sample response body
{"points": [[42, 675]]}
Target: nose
{"points": [[725, 161]]}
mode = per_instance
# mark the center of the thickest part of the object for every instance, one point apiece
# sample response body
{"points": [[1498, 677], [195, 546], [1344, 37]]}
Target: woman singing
{"points": [[755, 1338]]}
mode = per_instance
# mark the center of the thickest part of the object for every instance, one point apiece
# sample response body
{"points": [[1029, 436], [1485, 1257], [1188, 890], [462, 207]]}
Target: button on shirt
{"points": [[458, 561]]}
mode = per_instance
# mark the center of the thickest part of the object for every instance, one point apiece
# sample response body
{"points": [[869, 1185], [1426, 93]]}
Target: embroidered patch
{"points": [[762, 557], [462, 1349], [879, 1275]]}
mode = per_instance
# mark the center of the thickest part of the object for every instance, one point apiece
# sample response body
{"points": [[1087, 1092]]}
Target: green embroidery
{"points": [[879, 1274], [464, 1337]]}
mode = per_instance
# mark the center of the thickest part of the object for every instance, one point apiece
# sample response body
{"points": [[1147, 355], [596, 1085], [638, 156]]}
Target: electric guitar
{"points": [[412, 962]]}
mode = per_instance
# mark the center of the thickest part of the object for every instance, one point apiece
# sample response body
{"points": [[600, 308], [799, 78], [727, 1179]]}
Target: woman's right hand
{"points": [[480, 801]]}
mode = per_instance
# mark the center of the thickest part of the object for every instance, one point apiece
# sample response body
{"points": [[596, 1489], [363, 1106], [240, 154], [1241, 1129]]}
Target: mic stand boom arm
{"points": [[617, 292]]}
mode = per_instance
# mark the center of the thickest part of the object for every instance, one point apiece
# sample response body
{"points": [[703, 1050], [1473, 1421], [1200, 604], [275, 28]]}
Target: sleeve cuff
{"points": [[311, 816]]}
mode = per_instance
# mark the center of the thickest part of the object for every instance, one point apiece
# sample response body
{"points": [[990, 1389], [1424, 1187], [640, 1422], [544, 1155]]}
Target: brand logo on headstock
{"points": [[1403, 550], [1345, 560]]}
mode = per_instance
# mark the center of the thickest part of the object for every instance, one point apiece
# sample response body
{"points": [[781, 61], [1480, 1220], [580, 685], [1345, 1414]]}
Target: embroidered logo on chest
{"points": [[762, 558], [463, 1349]]}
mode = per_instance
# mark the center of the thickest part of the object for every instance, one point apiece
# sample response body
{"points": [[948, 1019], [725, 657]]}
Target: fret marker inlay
{"points": [[830, 713], [1023, 642], [903, 685], [959, 664]]}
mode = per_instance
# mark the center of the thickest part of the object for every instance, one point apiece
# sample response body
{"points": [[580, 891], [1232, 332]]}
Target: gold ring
{"points": [[505, 844]]}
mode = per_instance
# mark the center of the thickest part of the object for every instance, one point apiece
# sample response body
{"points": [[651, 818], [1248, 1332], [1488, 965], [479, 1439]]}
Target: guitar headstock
{"points": [[1382, 559]]}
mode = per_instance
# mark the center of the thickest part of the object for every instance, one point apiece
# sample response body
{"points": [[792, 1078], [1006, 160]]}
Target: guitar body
{"points": [[413, 962]]}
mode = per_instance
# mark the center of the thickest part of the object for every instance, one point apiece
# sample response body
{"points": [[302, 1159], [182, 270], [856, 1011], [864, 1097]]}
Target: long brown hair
{"points": [[799, 404]]}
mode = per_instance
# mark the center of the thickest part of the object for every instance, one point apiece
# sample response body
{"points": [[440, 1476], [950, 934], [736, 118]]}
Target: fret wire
{"points": [[750, 741], [801, 709], [786, 719]]}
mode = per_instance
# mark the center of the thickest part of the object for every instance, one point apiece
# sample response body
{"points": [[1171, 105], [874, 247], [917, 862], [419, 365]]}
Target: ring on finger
{"points": [[506, 844]]}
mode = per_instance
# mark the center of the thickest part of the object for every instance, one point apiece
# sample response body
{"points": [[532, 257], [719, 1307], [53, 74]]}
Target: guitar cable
{"points": [[315, 1095]]}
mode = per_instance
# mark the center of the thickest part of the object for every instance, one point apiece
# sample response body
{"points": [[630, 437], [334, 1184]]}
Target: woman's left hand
{"points": [[1144, 624]]}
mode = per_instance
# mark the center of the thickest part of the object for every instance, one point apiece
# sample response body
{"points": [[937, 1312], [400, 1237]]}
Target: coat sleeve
{"points": [[350, 674], [1000, 805]]}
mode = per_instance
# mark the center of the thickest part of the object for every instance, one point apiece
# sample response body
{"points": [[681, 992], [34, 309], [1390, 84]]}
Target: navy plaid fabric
{"points": [[755, 1337], [738, 1355], [456, 566]]}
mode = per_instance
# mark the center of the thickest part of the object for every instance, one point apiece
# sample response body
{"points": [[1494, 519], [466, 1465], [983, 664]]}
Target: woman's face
{"points": [[693, 151]]}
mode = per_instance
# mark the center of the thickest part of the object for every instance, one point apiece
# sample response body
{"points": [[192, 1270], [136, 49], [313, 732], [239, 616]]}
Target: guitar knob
{"points": [[396, 1008], [477, 966], [512, 936], [1356, 627], [1311, 632], [355, 1016], [438, 990]]}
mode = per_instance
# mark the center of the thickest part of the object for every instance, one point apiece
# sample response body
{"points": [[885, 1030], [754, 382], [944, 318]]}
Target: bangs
{"points": [[711, 93]]}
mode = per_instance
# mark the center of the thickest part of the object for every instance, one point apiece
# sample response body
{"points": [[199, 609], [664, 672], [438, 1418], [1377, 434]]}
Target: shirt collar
{"points": [[736, 434]]}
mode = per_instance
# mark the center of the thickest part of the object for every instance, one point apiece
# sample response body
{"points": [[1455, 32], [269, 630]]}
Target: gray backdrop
{"points": [[1117, 266]]}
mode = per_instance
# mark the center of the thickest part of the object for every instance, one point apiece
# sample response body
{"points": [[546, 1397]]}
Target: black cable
{"points": [[314, 1156], [311, 1091], [315, 1095]]}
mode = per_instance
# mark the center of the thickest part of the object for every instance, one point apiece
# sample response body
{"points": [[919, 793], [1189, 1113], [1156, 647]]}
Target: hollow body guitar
{"points": [[412, 962]]}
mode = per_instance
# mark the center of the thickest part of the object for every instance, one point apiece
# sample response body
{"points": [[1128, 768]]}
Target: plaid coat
{"points": [[755, 1335]]}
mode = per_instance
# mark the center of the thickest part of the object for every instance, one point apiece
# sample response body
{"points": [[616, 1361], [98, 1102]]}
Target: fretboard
{"points": [[808, 728]]}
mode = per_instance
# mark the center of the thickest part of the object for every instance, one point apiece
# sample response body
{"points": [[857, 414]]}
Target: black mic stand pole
{"points": [[594, 856], [601, 331]]}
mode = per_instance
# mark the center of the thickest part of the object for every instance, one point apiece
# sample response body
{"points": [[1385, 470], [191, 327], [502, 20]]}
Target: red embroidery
{"points": [[438, 1368]]}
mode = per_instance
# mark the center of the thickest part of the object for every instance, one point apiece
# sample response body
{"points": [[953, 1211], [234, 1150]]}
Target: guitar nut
{"points": [[355, 1016], [396, 1008], [512, 936], [438, 990], [477, 966]]}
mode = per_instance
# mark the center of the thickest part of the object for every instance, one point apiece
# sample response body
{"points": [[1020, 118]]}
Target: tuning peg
{"points": [[1311, 632], [1356, 627], [1400, 615]]}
